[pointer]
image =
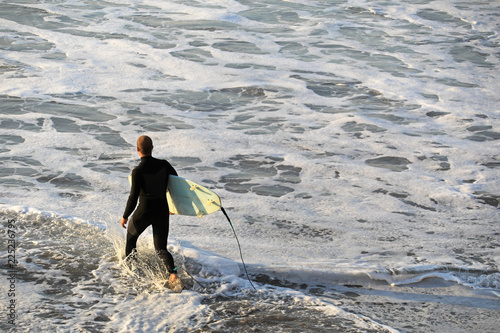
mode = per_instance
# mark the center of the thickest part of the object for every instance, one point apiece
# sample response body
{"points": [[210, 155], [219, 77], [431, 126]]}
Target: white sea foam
{"points": [[351, 142]]}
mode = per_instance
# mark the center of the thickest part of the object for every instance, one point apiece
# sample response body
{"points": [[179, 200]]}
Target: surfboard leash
{"points": [[192, 278], [239, 247]]}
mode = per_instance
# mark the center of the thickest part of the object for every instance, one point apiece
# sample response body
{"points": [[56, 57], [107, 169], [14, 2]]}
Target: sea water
{"points": [[354, 145]]}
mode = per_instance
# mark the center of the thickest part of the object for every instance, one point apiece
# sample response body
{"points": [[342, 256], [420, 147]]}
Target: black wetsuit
{"points": [[149, 185]]}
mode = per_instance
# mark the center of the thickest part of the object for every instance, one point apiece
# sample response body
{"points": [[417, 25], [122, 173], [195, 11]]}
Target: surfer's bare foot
{"points": [[175, 283]]}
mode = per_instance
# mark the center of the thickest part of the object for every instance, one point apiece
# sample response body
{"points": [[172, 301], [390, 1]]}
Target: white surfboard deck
{"points": [[188, 198]]}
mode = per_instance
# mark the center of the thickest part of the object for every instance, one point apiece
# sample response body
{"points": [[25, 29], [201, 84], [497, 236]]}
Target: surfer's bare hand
{"points": [[123, 222]]}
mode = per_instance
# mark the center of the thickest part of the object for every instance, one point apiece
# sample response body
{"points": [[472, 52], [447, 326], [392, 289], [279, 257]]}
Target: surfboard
{"points": [[188, 198], [185, 197]]}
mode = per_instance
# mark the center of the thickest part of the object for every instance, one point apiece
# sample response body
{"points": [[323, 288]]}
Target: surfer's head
{"points": [[144, 145]]}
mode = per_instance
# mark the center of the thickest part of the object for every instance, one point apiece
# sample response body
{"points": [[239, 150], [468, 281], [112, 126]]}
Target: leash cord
{"points": [[185, 271], [239, 247]]}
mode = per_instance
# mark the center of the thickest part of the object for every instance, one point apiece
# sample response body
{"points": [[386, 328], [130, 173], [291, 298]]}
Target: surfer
{"points": [[149, 186]]}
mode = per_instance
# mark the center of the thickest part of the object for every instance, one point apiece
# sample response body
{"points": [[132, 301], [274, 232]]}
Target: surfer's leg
{"points": [[167, 260], [136, 227], [160, 236], [131, 243]]}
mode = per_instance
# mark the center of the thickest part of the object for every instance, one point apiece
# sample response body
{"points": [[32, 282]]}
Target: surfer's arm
{"points": [[133, 196]]}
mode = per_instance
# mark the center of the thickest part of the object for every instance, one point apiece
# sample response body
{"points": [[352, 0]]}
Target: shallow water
{"points": [[354, 145]]}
